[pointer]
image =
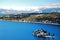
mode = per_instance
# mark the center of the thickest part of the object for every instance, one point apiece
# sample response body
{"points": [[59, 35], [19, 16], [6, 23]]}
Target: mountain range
{"points": [[42, 10]]}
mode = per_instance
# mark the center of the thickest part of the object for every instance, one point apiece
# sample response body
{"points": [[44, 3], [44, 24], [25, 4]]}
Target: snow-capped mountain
{"points": [[51, 10], [40, 10]]}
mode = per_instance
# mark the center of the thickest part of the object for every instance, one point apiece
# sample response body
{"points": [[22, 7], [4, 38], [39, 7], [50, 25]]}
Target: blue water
{"points": [[23, 31]]}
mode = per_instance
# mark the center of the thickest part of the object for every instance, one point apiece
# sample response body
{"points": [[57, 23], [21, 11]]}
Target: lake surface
{"points": [[23, 31]]}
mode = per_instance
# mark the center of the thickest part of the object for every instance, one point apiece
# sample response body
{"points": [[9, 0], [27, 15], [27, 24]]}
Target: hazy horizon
{"points": [[28, 4]]}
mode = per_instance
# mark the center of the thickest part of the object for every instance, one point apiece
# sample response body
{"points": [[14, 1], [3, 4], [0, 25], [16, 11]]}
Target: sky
{"points": [[25, 4]]}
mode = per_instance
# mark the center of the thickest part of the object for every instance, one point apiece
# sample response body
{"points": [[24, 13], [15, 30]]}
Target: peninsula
{"points": [[52, 18]]}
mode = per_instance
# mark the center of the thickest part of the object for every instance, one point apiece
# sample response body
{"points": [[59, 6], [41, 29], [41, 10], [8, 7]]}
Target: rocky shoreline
{"points": [[31, 22]]}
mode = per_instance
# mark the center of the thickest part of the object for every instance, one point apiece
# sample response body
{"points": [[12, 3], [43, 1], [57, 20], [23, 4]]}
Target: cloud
{"points": [[54, 5], [19, 7]]}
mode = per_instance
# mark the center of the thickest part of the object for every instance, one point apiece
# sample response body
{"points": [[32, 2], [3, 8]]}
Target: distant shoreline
{"points": [[32, 22]]}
